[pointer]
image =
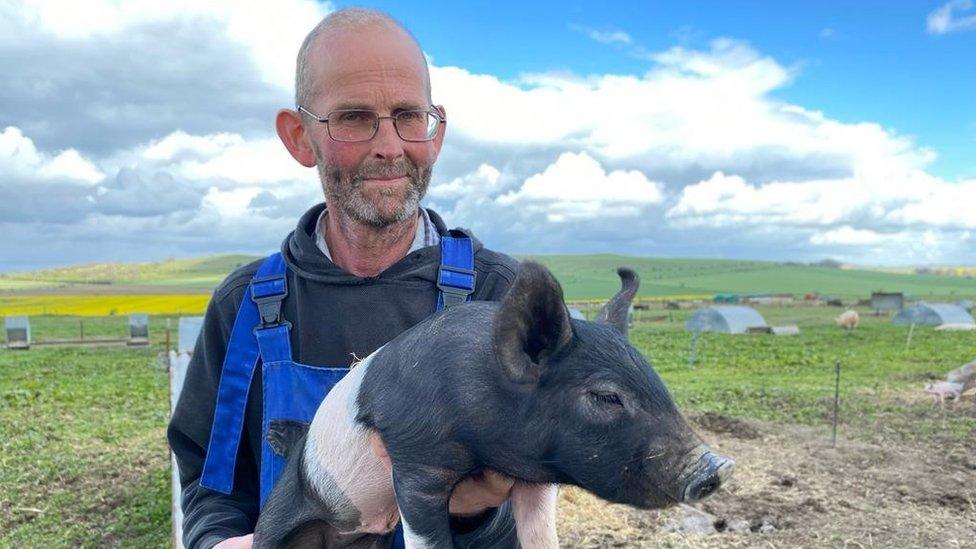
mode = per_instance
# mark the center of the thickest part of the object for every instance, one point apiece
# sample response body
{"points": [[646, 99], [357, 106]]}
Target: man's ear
{"points": [[291, 131], [439, 138]]}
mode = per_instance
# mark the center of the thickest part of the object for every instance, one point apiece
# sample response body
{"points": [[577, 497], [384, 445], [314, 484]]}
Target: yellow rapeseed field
{"points": [[104, 305]]}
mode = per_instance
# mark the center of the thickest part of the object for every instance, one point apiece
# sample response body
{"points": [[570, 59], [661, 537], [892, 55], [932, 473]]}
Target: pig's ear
{"points": [[532, 323], [615, 311]]}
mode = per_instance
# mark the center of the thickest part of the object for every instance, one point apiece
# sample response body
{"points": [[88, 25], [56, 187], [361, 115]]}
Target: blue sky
{"points": [[140, 130], [855, 61]]}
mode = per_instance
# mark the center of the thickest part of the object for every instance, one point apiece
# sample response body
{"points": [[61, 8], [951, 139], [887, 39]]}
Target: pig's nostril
{"points": [[708, 482], [704, 489]]}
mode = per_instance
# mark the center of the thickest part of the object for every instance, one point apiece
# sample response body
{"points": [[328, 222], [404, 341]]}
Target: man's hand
{"points": [[473, 495], [242, 542], [478, 493]]}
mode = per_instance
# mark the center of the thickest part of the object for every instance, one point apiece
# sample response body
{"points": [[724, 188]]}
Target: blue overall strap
{"points": [[455, 277], [274, 343], [260, 307]]}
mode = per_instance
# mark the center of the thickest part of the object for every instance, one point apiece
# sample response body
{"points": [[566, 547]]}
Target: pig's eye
{"points": [[606, 398]]}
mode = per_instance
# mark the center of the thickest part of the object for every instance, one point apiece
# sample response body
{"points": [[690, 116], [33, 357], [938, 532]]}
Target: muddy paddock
{"points": [[793, 489]]}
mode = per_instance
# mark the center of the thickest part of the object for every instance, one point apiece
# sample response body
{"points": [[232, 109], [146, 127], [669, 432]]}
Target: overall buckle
{"points": [[268, 293], [455, 284]]}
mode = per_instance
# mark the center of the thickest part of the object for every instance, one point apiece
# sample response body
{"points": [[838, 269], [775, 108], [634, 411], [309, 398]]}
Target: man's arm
{"points": [[209, 516]]}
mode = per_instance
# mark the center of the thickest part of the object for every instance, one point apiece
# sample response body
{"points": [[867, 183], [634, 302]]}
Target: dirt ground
{"points": [[791, 488]]}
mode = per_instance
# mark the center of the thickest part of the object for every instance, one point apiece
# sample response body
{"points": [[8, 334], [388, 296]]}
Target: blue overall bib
{"points": [[292, 391]]}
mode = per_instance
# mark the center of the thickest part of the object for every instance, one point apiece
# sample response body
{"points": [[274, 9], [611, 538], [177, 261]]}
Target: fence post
{"points": [[836, 403], [909, 340]]}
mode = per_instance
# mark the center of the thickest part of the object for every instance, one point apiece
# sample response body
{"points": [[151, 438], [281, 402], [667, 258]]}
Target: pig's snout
{"points": [[706, 475]]}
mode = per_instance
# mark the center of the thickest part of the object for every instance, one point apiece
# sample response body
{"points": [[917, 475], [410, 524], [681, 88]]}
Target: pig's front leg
{"points": [[534, 506], [422, 496]]}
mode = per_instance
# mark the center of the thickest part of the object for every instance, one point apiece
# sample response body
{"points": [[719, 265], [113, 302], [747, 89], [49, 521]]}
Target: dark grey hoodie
{"points": [[335, 316]]}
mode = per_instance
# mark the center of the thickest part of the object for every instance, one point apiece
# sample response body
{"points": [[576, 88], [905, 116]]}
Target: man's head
{"points": [[362, 59]]}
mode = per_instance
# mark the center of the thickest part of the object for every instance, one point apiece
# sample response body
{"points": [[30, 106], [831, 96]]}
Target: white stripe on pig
{"points": [[339, 463], [412, 540], [534, 506]]}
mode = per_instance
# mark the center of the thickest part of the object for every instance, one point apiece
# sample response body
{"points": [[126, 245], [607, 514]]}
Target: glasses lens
{"points": [[352, 125], [416, 125]]}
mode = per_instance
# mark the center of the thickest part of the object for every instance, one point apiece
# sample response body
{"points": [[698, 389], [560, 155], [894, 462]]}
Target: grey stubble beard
{"points": [[344, 190]]}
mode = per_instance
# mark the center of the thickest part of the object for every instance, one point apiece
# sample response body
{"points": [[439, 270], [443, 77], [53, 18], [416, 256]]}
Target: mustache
{"points": [[386, 170]]}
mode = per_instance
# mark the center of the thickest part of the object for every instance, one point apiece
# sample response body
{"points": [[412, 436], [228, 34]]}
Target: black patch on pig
{"points": [[284, 434], [295, 516], [532, 324]]}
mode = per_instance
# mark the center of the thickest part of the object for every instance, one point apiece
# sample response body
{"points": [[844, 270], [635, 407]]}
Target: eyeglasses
{"points": [[352, 125]]}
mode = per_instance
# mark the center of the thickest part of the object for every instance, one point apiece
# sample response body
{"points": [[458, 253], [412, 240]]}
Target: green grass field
{"points": [[583, 277], [84, 458], [195, 273], [593, 277], [791, 379]]}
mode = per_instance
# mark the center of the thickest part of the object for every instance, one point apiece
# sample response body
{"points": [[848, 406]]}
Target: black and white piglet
{"points": [[515, 386]]}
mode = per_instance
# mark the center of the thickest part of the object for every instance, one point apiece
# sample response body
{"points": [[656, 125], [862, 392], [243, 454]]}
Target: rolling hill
{"points": [[194, 275], [582, 276]]}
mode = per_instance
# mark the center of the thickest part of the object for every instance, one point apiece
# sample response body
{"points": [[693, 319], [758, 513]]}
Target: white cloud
{"points": [[903, 200], [230, 204], [483, 181], [725, 200], [939, 204], [950, 17], [615, 36], [231, 171], [902, 247], [255, 161], [849, 236], [180, 142], [271, 31], [228, 158], [694, 108], [19, 157], [577, 187]]}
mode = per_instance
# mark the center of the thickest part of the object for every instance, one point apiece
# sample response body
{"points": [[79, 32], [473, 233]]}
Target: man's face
{"points": [[381, 181]]}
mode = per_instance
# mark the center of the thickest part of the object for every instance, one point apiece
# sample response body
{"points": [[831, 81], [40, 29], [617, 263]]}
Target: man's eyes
{"points": [[411, 116], [355, 117], [370, 117]]}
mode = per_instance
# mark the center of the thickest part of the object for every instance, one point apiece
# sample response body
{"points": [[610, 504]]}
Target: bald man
{"points": [[356, 271]]}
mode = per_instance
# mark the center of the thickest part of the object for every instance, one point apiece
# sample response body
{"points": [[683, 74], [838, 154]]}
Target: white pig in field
{"points": [[965, 375], [958, 382], [944, 390], [848, 320]]}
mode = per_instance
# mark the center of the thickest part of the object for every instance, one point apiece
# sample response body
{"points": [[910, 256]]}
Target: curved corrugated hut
{"points": [[725, 319], [933, 314]]}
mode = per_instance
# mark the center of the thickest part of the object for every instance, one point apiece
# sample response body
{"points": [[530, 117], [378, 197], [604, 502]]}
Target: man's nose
{"points": [[387, 143]]}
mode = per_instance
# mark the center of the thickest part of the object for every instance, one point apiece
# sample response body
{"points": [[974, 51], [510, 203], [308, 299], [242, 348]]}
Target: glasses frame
{"points": [[432, 110]]}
